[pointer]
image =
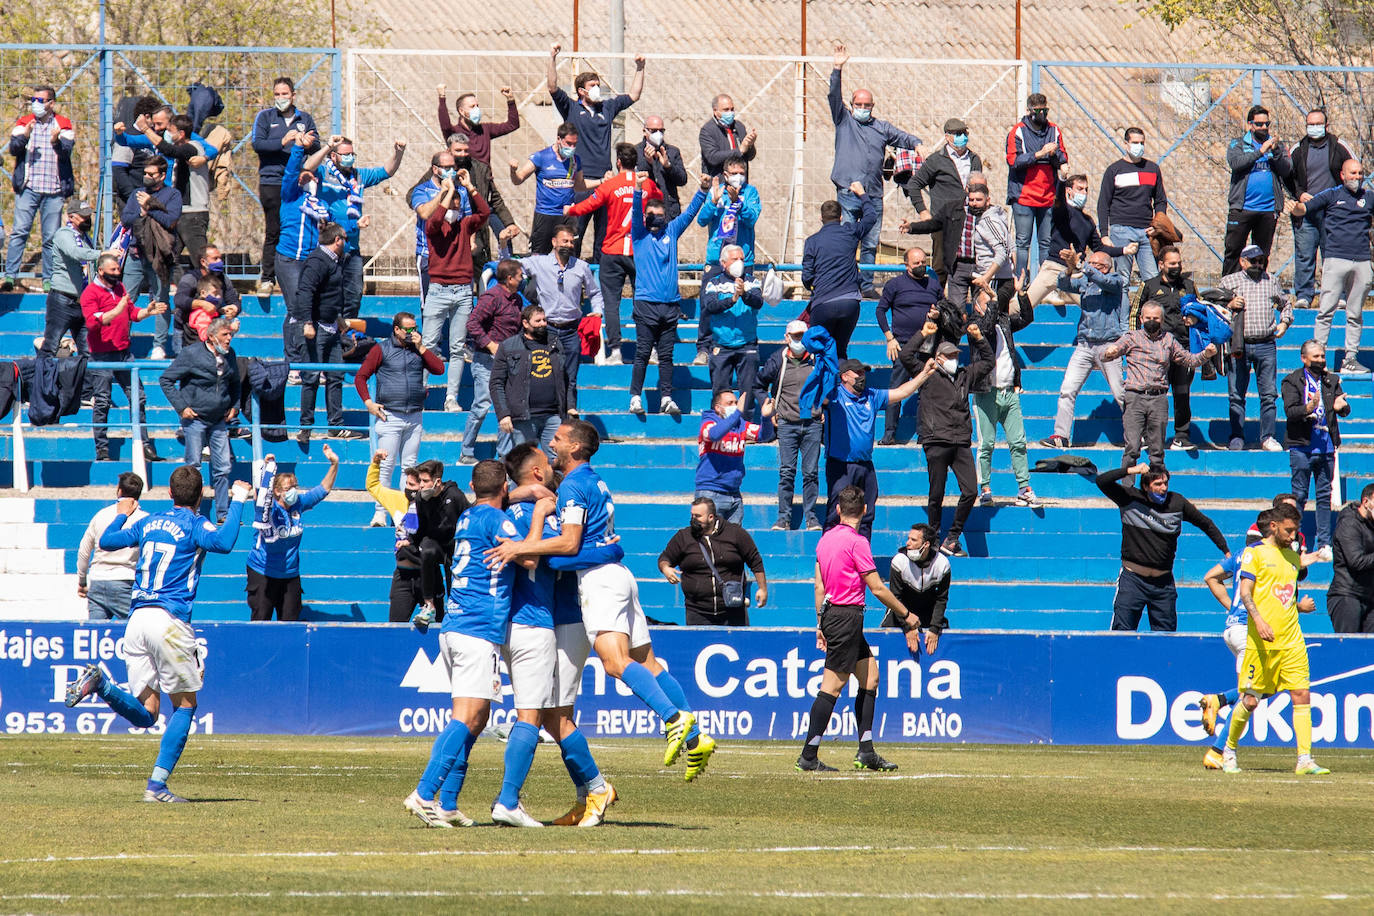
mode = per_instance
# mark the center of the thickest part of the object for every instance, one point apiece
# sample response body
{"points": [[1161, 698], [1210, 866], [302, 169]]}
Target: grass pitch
{"points": [[316, 825]]}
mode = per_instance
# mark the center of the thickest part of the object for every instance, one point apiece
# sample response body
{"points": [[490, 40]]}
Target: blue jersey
{"points": [[1238, 616], [343, 195], [554, 181], [584, 499], [567, 604], [533, 599], [423, 194], [276, 552], [567, 601], [171, 546], [479, 601], [851, 421]]}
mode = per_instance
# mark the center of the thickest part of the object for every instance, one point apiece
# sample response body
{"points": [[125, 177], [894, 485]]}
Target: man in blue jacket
{"points": [[729, 215], [275, 131], [298, 234], [829, 271], [202, 385], [1259, 164], [656, 309], [732, 297]]}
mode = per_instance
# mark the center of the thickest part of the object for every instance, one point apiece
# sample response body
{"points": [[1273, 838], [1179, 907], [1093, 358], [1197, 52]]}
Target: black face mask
{"points": [[654, 221], [462, 162], [1255, 271], [978, 211], [565, 252], [1317, 368], [152, 184], [1151, 327], [1040, 121], [111, 279], [860, 385], [698, 528], [1260, 135], [539, 335], [917, 273], [1173, 274]]}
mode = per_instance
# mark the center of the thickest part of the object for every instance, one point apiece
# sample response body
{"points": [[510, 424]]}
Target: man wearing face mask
{"points": [[41, 144], [710, 552], [997, 395], [399, 362], [830, 272], [663, 162], [319, 305], [274, 563], [529, 389], [400, 509], [438, 505], [1259, 166], [1035, 154], [947, 173], [908, 297], [721, 440], [210, 263], [1314, 402], [557, 171], [1130, 195], [560, 281], [449, 302], [472, 123], [275, 130], [979, 253], [202, 385], [107, 315], [724, 135], [1072, 229], [1346, 212], [423, 199], [74, 250], [151, 215], [919, 579], [1317, 161], [778, 390], [861, 142], [1152, 518], [729, 215], [502, 221], [1152, 350], [1256, 294], [495, 318], [188, 157], [1101, 321], [301, 216], [732, 297], [1167, 289]]}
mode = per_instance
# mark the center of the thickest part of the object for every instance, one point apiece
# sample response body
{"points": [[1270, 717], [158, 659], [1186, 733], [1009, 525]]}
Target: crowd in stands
{"points": [[607, 219]]}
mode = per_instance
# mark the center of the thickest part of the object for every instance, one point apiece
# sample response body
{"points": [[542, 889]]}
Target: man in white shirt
{"points": [[105, 577]]}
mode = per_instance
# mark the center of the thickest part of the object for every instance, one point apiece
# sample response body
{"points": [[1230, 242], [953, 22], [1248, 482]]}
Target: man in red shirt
{"points": [[109, 313], [617, 251], [1035, 154], [449, 299]]}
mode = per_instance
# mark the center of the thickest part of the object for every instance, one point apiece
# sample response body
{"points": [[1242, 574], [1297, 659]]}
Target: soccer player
{"points": [[478, 613], [1275, 654], [611, 613], [844, 565], [546, 651], [159, 643]]}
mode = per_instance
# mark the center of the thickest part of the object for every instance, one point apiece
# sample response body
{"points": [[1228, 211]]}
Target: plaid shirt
{"points": [[966, 237], [40, 174], [1147, 364], [1259, 296]]}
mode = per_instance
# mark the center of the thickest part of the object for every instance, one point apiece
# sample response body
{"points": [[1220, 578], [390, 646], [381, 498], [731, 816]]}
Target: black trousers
{"points": [[899, 376], [659, 335], [1349, 614], [728, 617], [1181, 384], [840, 474], [267, 595], [324, 347], [270, 195], [940, 459], [435, 559], [406, 595], [1137, 594], [1243, 227], [541, 232], [839, 317], [615, 270]]}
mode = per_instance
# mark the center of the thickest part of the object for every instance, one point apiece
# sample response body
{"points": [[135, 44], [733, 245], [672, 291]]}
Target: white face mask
{"points": [[796, 347], [38, 108], [594, 93], [282, 103], [736, 180], [475, 115], [452, 216], [1137, 150], [950, 365], [655, 138], [730, 411], [736, 269], [1353, 186]]}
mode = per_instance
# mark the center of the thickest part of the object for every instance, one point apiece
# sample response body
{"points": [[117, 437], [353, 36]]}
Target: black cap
{"points": [[853, 365]]}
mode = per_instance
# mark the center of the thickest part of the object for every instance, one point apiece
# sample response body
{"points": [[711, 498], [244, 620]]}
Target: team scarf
{"points": [[1311, 385], [354, 185], [312, 207]]}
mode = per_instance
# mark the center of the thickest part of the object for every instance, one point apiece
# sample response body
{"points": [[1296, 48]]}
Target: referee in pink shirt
{"points": [[844, 566]]}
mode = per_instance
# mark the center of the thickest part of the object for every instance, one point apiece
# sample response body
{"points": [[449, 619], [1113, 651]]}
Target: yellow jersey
{"points": [[1274, 570]]}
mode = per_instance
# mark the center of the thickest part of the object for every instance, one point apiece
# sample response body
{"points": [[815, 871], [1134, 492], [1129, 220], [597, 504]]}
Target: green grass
{"points": [[316, 825]]}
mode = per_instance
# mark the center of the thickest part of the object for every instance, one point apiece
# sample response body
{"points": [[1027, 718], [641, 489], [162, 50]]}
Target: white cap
{"points": [[797, 326]]}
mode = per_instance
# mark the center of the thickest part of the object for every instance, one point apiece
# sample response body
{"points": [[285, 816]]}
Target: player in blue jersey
{"points": [[159, 644], [474, 628], [611, 613]]}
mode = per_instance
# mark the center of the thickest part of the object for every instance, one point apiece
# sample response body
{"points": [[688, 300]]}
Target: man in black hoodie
{"points": [[1350, 598], [438, 504]]}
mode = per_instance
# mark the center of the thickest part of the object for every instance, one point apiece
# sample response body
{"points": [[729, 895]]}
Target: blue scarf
{"points": [[823, 379], [355, 189]]}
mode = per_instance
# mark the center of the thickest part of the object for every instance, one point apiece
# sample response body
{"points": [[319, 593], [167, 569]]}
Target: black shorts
{"points": [[842, 625]]}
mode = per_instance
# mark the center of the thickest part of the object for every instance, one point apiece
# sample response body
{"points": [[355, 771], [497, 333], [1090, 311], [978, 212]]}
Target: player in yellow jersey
{"points": [[1275, 654]]}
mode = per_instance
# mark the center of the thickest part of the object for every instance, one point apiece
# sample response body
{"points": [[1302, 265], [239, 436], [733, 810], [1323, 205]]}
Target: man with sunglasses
{"points": [[41, 143], [1035, 154], [1259, 165]]}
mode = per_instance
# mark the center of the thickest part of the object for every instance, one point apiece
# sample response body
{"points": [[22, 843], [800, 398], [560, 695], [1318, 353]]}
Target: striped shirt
{"points": [[1147, 365], [1260, 296]]}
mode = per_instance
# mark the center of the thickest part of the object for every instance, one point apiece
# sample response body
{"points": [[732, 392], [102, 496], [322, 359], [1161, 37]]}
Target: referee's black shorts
{"points": [[842, 625]]}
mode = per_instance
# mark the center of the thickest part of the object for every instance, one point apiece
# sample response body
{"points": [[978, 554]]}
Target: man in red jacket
{"points": [[1035, 153], [449, 299]]}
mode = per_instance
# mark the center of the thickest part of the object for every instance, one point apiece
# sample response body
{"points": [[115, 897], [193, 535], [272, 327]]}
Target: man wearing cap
{"points": [[852, 419], [663, 162], [72, 250], [909, 297], [778, 389], [945, 173]]}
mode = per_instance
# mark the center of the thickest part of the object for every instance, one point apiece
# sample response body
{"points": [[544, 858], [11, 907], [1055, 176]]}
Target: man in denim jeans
{"points": [[1035, 154], [496, 317], [1313, 402], [202, 385], [1131, 194], [449, 299], [1317, 160], [41, 143], [106, 577], [778, 388]]}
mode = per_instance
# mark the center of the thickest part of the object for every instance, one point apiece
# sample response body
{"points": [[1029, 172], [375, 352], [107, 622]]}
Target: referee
{"points": [[844, 565]]}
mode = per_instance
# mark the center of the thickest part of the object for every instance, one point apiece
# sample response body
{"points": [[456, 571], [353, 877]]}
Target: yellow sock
{"points": [[1240, 716], [1302, 728]]}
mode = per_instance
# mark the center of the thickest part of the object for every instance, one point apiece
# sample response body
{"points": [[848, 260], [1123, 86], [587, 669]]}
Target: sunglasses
{"points": [[39, 98], [1040, 111], [958, 133], [1260, 123]]}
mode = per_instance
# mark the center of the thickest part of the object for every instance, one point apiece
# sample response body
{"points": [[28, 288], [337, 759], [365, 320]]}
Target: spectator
{"points": [[919, 579], [615, 195], [275, 131], [557, 171], [1130, 196], [656, 302], [105, 578], [1146, 412], [1152, 518], [108, 312], [41, 144], [298, 234], [423, 199], [723, 136], [130, 152], [1101, 321], [207, 305], [202, 385], [74, 250], [399, 362], [1255, 295], [860, 144], [188, 159], [1071, 229], [1035, 154], [732, 297], [1259, 165], [721, 440], [1350, 597], [946, 427], [947, 173], [712, 554], [561, 281], [1314, 402], [470, 122], [495, 318], [1167, 290], [1317, 160], [340, 186], [529, 388], [438, 504], [1344, 211], [592, 115], [274, 563], [778, 390], [997, 394], [151, 217], [210, 264], [663, 163], [909, 297], [320, 299], [501, 219], [829, 270], [729, 215], [449, 300], [851, 413], [981, 256], [405, 594]]}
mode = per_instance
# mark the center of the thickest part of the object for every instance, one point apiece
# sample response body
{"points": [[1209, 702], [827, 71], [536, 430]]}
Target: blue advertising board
{"points": [[996, 687]]}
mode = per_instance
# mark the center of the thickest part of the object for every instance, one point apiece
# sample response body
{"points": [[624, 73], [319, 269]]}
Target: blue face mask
{"points": [[288, 499], [215, 267], [1137, 150], [727, 118], [1158, 498], [565, 152], [960, 141], [1079, 200], [346, 160], [1316, 131], [450, 174], [863, 115]]}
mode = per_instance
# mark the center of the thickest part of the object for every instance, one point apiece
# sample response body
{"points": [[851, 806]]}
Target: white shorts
{"points": [[610, 603], [473, 666], [532, 659], [1235, 641], [573, 649], [161, 653]]}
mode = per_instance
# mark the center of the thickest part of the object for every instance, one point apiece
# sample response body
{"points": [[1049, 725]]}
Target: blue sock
{"points": [[673, 690], [577, 757], [639, 680], [125, 703], [173, 743], [441, 758], [453, 782], [520, 748], [1232, 696]]}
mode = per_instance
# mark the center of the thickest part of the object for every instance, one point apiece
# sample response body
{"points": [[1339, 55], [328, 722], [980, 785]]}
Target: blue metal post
{"points": [[1035, 76], [1256, 87], [336, 87], [106, 202], [257, 433]]}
